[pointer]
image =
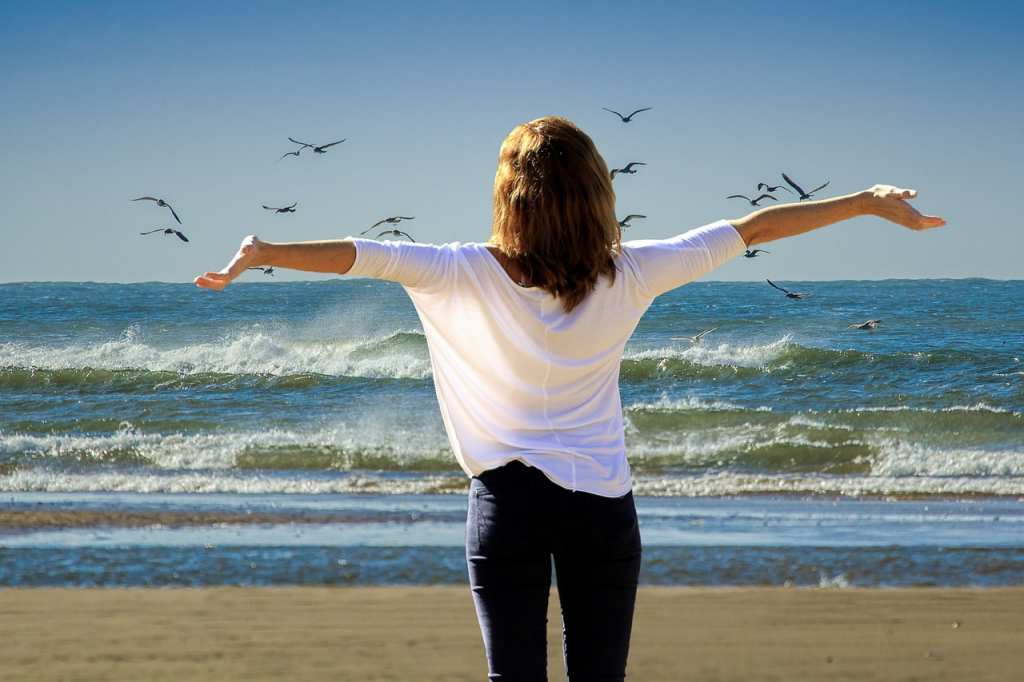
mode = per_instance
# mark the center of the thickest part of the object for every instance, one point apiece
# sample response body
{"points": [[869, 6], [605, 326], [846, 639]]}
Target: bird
{"points": [[168, 230], [693, 339], [772, 188], [395, 233], [160, 202], [625, 221], [627, 119], [870, 325], [294, 153], [393, 220], [317, 149], [752, 202], [803, 195], [789, 294], [752, 253], [628, 169], [265, 271], [286, 209]]}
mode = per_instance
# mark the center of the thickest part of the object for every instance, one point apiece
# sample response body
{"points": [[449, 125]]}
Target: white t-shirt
{"points": [[518, 378]]}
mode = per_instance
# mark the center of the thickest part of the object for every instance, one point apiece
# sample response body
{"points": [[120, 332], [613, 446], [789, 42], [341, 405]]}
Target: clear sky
{"points": [[193, 102]]}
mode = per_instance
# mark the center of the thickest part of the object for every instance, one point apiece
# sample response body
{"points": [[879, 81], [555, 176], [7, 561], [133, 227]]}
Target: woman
{"points": [[526, 335]]}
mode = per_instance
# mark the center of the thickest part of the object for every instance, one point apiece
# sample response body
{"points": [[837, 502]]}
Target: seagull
{"points": [[770, 188], [752, 202], [803, 195], [168, 231], [317, 149], [160, 202], [752, 253], [788, 293], [693, 339], [294, 153], [286, 209], [395, 233], [625, 221], [870, 325], [265, 271], [628, 170], [393, 220], [627, 119]]}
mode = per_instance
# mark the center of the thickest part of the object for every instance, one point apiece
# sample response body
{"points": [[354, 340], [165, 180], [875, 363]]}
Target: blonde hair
{"points": [[554, 209]]}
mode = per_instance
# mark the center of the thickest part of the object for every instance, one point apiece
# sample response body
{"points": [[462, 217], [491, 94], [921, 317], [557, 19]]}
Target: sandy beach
{"points": [[430, 633]]}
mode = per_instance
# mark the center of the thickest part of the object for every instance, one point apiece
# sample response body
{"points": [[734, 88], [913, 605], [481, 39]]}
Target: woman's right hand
{"points": [[891, 203], [247, 257]]}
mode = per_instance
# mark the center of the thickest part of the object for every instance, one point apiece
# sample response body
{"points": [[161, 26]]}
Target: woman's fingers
{"points": [[239, 264]]}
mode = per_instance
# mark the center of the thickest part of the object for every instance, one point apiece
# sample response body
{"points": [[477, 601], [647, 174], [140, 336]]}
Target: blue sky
{"points": [[193, 102]]}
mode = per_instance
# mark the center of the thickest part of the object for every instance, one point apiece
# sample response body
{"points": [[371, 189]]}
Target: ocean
{"points": [[786, 447]]}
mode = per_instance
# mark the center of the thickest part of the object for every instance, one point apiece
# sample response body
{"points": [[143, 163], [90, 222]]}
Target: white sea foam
{"points": [[251, 352], [715, 355]]}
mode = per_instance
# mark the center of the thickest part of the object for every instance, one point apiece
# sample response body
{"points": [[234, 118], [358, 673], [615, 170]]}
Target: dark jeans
{"points": [[518, 520]]}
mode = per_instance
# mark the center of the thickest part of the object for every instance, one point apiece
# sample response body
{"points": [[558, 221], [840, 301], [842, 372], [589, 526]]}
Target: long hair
{"points": [[554, 209]]}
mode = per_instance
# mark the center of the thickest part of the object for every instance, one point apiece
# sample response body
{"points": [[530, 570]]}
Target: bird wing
{"points": [[765, 196], [159, 229], [793, 184], [706, 331], [405, 217], [304, 144], [293, 205], [325, 146], [295, 153], [180, 235], [817, 188], [615, 171], [633, 215], [269, 208], [615, 112], [376, 224], [776, 286], [737, 196], [638, 111], [146, 198], [630, 165], [173, 213]]}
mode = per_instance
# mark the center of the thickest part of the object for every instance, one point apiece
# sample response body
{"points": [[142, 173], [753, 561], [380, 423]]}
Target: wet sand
{"points": [[430, 633]]}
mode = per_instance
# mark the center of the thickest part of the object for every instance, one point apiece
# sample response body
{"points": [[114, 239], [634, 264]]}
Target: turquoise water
{"points": [[325, 389]]}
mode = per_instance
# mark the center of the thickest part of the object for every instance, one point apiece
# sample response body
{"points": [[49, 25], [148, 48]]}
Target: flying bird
{"points": [[160, 202], [870, 325], [294, 153], [627, 119], [317, 149], [265, 271], [625, 221], [693, 339], [628, 169], [285, 209], [393, 220], [789, 294], [752, 253], [772, 188], [395, 233], [752, 202], [803, 195], [179, 235]]}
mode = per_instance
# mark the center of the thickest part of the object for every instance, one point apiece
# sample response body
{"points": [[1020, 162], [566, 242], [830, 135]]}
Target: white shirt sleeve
{"points": [[665, 264], [421, 267]]}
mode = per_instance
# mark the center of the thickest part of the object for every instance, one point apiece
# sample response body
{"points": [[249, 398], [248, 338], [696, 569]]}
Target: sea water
{"points": [[786, 446]]}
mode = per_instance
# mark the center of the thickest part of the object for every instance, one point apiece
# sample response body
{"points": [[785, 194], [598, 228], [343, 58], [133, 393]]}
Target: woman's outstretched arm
{"points": [[334, 256], [787, 220]]}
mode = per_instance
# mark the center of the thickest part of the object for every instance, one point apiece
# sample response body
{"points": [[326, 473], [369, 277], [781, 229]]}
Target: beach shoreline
{"points": [[430, 633]]}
